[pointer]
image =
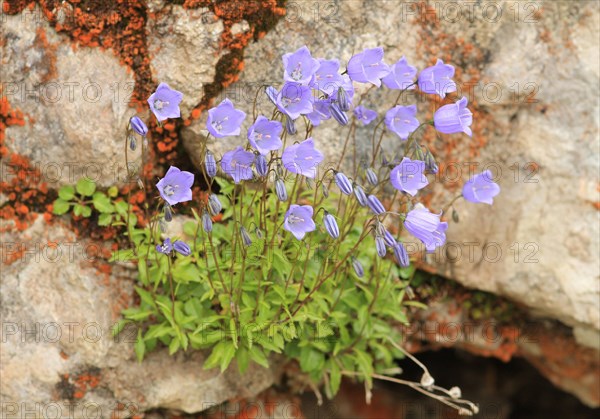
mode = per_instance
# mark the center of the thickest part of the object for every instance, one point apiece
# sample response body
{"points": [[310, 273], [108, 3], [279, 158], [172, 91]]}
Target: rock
{"points": [[184, 50], [58, 352], [75, 102], [534, 73]]}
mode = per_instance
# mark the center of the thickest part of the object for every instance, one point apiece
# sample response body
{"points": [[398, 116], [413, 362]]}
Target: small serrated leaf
{"points": [[85, 187]]}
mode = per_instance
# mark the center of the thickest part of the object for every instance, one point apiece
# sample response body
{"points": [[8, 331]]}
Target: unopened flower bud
{"points": [[140, 183], [261, 165], [401, 255], [214, 205], [389, 239], [138, 126], [419, 153], [455, 215], [168, 213], [162, 225], [290, 126], [343, 183], [343, 101], [207, 223], [375, 205], [339, 115], [272, 94], [430, 163], [358, 268], [325, 190], [331, 225], [245, 237], [372, 177], [132, 142], [280, 190], [279, 170], [360, 195], [310, 184], [258, 233], [182, 248], [210, 164], [380, 246], [427, 380]]}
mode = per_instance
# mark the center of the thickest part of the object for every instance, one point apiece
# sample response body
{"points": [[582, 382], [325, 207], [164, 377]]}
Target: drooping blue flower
{"points": [[454, 118], [261, 165], [298, 220], [375, 205], [164, 102], [264, 135], [401, 255], [182, 248], [401, 120], [168, 213], [364, 115], [408, 176], [224, 120], [342, 181], [426, 226], [437, 79], [138, 126], [302, 158], [368, 66], [300, 66], [210, 164], [401, 76], [331, 225], [320, 112], [327, 78], [238, 164], [360, 195], [176, 186], [165, 248], [294, 100], [481, 188]]}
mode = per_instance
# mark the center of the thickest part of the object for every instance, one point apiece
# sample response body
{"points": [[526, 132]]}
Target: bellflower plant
{"points": [[284, 252]]}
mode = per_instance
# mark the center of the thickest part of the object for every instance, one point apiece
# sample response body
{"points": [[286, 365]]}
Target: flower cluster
{"points": [[285, 194]]}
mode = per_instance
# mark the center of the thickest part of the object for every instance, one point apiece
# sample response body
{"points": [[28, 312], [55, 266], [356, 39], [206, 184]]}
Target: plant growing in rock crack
{"points": [[288, 254]]}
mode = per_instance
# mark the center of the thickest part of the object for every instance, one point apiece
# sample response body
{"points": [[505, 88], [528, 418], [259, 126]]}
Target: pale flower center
{"points": [[169, 190], [160, 104]]}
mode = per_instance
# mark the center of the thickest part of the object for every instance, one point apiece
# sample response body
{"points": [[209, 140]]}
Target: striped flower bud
{"points": [[168, 213], [380, 246], [343, 183], [279, 170], [272, 94], [358, 268], [372, 177], [331, 225], [280, 190], [430, 163], [380, 228], [401, 255], [360, 195], [310, 184], [210, 164], [261, 165], [182, 248], [343, 101], [132, 142], [207, 223], [245, 237], [455, 217], [339, 115], [375, 205], [389, 239], [290, 126], [325, 190], [214, 205], [419, 155], [258, 233], [140, 183], [138, 126]]}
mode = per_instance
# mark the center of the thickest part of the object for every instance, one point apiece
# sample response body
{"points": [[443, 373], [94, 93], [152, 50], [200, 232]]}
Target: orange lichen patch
{"points": [[20, 182], [41, 41]]}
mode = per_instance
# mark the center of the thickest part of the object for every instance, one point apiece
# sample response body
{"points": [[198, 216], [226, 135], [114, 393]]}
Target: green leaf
{"points": [[85, 187], [82, 210], [102, 203], [243, 359], [335, 377], [227, 355], [113, 191], [311, 359], [140, 346], [66, 193], [257, 355], [215, 356], [60, 207], [104, 219]]}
